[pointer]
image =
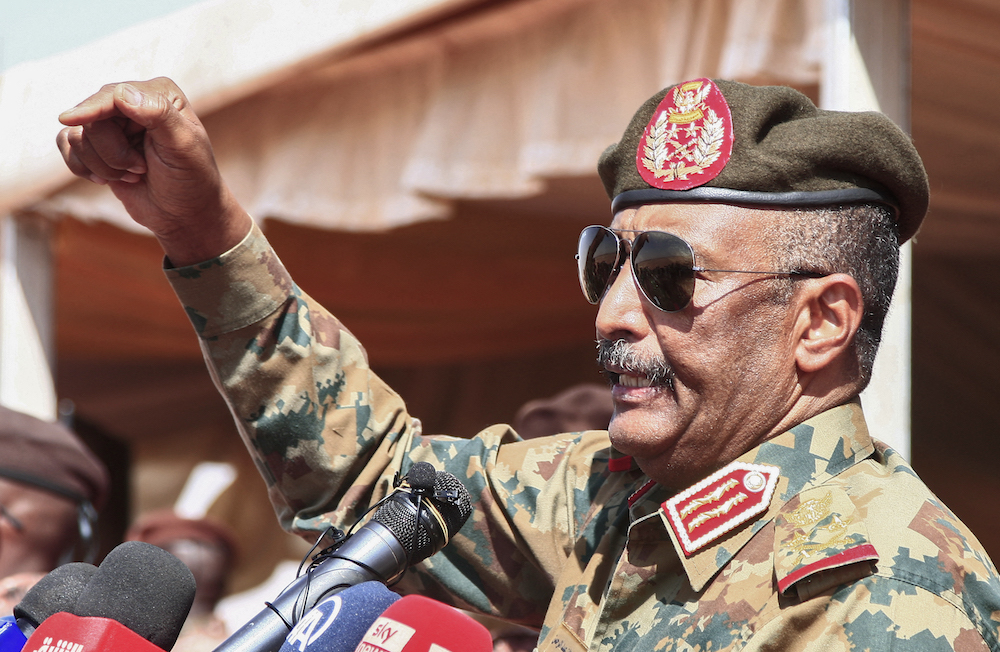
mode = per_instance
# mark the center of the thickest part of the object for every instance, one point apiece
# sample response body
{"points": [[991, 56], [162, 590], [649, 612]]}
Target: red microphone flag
{"points": [[419, 624], [64, 632]]}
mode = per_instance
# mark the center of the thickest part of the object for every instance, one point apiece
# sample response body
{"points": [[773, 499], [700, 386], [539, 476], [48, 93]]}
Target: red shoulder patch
{"points": [[864, 552]]}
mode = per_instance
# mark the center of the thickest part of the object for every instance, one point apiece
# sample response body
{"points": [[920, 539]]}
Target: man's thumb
{"points": [[139, 107], [161, 112]]}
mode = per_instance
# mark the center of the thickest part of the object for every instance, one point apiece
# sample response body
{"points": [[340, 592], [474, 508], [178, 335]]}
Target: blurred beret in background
{"points": [[50, 456], [162, 527]]}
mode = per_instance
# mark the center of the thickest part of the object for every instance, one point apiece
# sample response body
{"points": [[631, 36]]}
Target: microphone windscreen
{"points": [[419, 624], [422, 475], [337, 623], [422, 537], [453, 501], [142, 587], [55, 592]]}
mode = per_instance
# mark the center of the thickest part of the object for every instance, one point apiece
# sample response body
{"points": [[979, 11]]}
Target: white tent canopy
{"points": [[216, 50], [369, 115], [312, 127]]}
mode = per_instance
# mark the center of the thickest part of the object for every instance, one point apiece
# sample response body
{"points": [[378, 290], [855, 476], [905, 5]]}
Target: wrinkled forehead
{"points": [[706, 226]]}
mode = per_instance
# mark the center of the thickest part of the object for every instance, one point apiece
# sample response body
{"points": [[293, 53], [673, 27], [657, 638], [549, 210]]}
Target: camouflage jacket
{"points": [[840, 546]]}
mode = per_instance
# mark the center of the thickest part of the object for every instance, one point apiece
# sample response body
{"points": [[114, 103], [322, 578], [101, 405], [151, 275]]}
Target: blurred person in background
{"points": [[587, 406], [208, 548], [51, 486]]}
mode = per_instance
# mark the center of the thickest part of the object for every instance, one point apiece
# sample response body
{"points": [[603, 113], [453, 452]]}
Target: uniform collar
{"points": [[807, 455]]}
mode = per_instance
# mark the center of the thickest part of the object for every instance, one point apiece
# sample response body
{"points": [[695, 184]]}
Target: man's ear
{"points": [[830, 311]]}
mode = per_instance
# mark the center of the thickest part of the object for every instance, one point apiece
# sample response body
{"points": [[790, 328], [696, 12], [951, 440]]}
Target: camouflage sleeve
{"points": [[298, 384], [328, 436]]}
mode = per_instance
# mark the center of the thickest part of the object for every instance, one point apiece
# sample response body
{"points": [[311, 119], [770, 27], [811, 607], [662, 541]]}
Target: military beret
{"points": [[51, 457], [164, 526], [722, 141]]}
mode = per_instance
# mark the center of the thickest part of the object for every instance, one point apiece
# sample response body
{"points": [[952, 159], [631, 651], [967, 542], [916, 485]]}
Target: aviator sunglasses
{"points": [[662, 266]]}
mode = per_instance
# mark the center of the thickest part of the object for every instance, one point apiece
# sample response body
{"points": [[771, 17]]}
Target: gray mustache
{"points": [[623, 355]]}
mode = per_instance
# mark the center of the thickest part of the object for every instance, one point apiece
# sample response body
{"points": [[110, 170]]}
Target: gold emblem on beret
{"points": [[688, 139]]}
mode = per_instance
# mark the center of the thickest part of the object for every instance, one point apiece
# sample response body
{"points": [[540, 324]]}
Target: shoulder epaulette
{"points": [[820, 542]]}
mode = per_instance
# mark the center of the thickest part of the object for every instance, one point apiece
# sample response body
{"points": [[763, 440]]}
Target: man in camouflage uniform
{"points": [[737, 501]]}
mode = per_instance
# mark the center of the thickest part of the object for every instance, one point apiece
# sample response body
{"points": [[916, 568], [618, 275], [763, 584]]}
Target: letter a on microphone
{"points": [[314, 623]]}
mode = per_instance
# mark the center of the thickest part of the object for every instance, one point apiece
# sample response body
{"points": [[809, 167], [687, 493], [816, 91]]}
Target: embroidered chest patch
{"points": [[689, 138], [724, 500]]}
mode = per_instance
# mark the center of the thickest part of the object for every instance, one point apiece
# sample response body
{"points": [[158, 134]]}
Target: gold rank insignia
{"points": [[820, 540], [689, 138], [724, 500]]}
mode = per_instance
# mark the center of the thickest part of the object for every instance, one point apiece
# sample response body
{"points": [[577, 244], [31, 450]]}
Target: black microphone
{"points": [[55, 592], [410, 525], [143, 587]]}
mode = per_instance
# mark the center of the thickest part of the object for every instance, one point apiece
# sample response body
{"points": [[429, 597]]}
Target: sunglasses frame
{"points": [[627, 248]]}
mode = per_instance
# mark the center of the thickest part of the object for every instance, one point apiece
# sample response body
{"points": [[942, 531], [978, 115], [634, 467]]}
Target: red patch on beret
{"points": [[688, 139]]}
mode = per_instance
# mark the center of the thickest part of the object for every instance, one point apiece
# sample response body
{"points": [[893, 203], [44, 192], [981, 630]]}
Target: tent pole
{"points": [[26, 317], [867, 67]]}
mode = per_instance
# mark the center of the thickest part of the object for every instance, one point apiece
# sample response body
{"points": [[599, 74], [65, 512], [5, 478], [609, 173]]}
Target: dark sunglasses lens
{"points": [[597, 254], [663, 265]]}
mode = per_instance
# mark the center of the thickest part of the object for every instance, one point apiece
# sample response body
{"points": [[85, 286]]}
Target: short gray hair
{"points": [[860, 240]]}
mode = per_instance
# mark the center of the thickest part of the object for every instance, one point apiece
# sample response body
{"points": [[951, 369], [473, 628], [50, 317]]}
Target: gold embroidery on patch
{"points": [[688, 99], [724, 508], [808, 513], [668, 158], [710, 498], [811, 511]]}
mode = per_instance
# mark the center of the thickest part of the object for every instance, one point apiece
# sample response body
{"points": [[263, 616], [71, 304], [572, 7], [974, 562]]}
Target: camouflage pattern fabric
{"points": [[852, 552]]}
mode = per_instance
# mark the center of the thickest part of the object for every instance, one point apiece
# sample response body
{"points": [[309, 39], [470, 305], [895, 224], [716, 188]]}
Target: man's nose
{"points": [[620, 314]]}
